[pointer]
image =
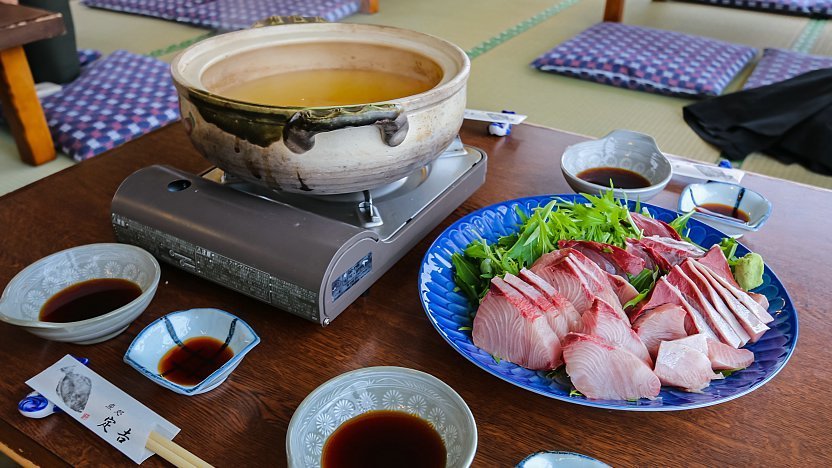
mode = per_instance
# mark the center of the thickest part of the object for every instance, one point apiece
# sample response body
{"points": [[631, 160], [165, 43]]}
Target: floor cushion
{"points": [[780, 65], [175, 10], [812, 8], [116, 99], [229, 15], [647, 59]]}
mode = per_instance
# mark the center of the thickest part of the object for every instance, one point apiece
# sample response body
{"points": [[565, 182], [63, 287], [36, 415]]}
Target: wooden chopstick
{"points": [[174, 453]]}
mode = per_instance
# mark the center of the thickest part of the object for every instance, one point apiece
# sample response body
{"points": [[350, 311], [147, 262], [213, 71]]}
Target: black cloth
{"points": [[790, 120]]}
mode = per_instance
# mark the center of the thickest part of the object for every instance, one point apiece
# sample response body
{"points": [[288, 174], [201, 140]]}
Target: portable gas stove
{"points": [[309, 255]]}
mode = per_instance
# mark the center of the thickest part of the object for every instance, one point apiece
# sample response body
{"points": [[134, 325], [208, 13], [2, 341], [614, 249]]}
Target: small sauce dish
{"points": [[620, 151], [171, 351], [731, 208]]}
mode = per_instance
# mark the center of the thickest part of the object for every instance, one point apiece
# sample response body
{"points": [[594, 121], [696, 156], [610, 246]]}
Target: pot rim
{"points": [[189, 65]]}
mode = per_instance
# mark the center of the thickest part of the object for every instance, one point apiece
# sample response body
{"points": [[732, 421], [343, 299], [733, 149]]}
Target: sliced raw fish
{"points": [[622, 288], [577, 278], [694, 296], [760, 299], [600, 370], [511, 327], [716, 261], [633, 247], [724, 357], [556, 320], [654, 227], [679, 365], [742, 296], [568, 311], [603, 321], [598, 280], [611, 258], [666, 293], [713, 297], [568, 280], [664, 323], [752, 323], [669, 252], [746, 318], [698, 342]]}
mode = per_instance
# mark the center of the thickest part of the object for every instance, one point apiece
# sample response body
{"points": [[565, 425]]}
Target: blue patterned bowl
{"points": [[173, 329], [452, 315]]}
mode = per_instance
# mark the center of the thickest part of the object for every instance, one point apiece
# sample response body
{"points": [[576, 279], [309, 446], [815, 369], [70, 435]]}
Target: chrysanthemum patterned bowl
{"points": [[559, 459], [26, 293], [381, 388], [622, 149]]}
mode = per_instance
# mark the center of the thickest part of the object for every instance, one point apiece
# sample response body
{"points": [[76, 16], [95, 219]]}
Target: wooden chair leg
{"points": [[369, 6], [614, 11], [22, 109]]}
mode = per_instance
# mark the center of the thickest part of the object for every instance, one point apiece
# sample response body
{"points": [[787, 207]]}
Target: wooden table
{"points": [[788, 421], [21, 25]]}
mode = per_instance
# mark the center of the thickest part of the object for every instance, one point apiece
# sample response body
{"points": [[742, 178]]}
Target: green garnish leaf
{"points": [[643, 282], [680, 225]]}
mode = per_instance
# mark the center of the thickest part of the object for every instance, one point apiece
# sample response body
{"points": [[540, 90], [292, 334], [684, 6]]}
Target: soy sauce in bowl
{"points": [[620, 178], [724, 210], [384, 438], [194, 360], [88, 299]]}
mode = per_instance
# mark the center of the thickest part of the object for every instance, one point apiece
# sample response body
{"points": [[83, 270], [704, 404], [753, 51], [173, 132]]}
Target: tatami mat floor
{"points": [[503, 38]]}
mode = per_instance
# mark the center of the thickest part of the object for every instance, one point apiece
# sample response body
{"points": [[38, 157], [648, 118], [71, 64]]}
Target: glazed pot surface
{"points": [[323, 149]]}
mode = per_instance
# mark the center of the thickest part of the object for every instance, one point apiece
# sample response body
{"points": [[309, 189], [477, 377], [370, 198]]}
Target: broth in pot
{"points": [[326, 87]]}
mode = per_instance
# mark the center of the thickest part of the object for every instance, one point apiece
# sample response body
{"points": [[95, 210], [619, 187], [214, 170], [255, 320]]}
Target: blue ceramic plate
{"points": [[450, 313]]}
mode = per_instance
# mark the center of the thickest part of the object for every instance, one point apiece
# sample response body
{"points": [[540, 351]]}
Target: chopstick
{"points": [[174, 453]]}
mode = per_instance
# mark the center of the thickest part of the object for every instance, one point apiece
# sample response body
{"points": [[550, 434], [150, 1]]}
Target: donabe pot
{"points": [[321, 150]]}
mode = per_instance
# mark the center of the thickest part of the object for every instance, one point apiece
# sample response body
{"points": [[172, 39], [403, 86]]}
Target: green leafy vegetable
{"points": [[729, 248], [643, 282], [604, 219], [680, 225]]}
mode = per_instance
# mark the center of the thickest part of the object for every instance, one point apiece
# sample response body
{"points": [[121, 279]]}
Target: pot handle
{"points": [[299, 133]]}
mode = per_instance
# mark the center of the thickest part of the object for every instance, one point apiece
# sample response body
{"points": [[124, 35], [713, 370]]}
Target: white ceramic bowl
{"points": [[622, 149], [560, 460], [381, 388], [169, 331], [26, 293], [752, 203]]}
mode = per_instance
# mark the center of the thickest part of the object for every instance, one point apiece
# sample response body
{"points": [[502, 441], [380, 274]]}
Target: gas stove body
{"points": [[308, 255]]}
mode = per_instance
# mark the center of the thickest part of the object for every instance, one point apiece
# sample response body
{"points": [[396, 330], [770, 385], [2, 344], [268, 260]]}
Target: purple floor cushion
{"points": [[646, 59], [231, 15], [166, 9], [116, 99], [780, 65], [813, 8]]}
